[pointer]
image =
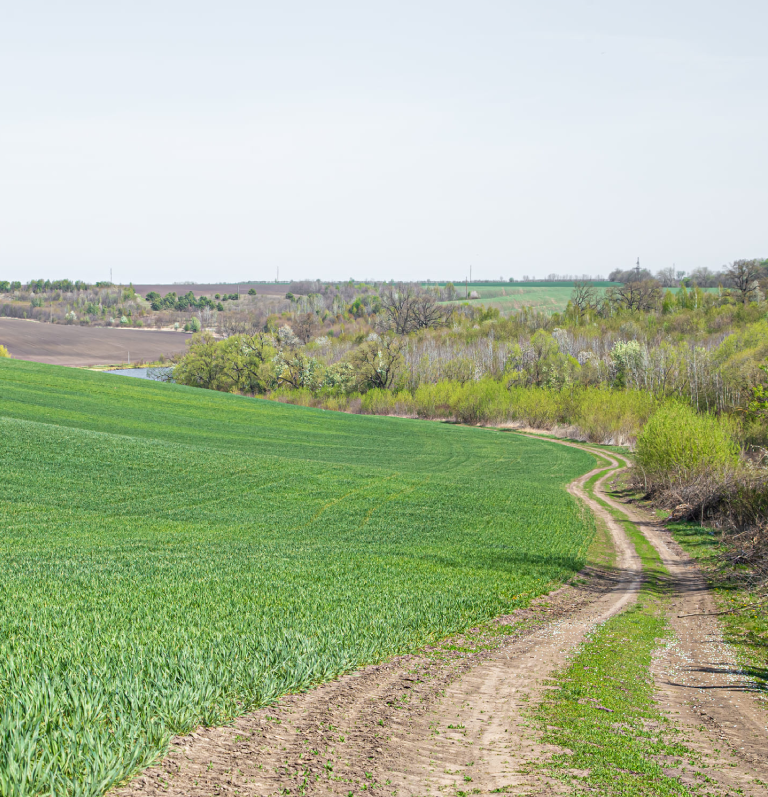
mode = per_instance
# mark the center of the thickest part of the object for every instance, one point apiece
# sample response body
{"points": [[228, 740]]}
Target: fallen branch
{"points": [[730, 611]]}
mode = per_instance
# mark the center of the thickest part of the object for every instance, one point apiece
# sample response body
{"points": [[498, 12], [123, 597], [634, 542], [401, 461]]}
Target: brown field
{"points": [[58, 344], [262, 289]]}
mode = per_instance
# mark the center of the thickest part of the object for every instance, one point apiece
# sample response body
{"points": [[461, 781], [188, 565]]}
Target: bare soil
{"points": [[59, 344], [453, 719]]}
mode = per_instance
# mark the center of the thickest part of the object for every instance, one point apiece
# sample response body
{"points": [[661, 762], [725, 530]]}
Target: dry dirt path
{"points": [[699, 681], [452, 717]]}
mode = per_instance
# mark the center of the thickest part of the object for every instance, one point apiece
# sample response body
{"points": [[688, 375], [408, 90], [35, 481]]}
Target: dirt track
{"points": [[454, 718], [698, 679], [59, 344]]}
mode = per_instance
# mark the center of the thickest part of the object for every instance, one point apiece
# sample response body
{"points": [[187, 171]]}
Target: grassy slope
{"points": [[174, 556]]}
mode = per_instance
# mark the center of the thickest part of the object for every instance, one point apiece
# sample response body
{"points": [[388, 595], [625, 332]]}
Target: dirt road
{"points": [[698, 678], [453, 720]]}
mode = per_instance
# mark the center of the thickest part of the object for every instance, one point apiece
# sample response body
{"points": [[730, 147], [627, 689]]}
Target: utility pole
{"points": [[470, 272], [110, 276], [278, 274], [466, 286], [637, 268]]}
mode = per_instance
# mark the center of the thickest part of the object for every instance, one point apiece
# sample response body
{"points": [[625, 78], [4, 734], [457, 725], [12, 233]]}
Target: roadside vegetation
{"points": [[173, 557]]}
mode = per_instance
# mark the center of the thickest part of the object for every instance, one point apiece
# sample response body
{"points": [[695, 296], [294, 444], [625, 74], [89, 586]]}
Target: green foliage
{"points": [[678, 444], [173, 556], [627, 358], [598, 414], [241, 363]]}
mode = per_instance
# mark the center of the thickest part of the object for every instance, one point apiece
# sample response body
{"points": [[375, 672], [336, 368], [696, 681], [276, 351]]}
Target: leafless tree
{"points": [[428, 314], [705, 277], [743, 275], [397, 306], [642, 295], [667, 277], [630, 275], [237, 324], [406, 308], [584, 297]]}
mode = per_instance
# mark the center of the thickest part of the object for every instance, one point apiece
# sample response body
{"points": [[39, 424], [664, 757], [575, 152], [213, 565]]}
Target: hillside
{"points": [[174, 556]]}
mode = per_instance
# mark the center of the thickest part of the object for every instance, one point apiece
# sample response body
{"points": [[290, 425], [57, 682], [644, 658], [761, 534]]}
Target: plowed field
{"points": [[57, 344]]}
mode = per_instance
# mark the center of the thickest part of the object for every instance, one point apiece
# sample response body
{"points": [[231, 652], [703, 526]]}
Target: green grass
{"points": [[549, 297], [508, 298], [174, 556]]}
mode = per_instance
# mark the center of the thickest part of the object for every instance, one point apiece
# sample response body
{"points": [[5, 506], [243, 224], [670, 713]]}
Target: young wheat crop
{"points": [[174, 557]]}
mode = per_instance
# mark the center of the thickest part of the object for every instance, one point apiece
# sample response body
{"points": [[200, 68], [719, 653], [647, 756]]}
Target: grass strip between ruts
{"points": [[602, 712]]}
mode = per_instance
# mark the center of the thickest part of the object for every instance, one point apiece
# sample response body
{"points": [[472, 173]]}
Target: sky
{"points": [[200, 141]]}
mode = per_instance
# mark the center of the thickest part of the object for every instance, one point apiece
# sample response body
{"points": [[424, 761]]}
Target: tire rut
{"points": [[699, 681]]}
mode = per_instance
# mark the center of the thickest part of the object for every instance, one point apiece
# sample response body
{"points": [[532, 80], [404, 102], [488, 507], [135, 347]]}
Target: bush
{"points": [[4, 351], [611, 416], [679, 445]]}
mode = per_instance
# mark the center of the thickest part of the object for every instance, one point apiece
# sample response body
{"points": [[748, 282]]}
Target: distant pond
{"points": [[161, 374]]}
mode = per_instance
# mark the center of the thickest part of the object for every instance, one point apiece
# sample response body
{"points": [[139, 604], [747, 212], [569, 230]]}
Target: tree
{"points": [[305, 326], [667, 277], [252, 292], [397, 307], [378, 362], [643, 295], [630, 275], [204, 365], [295, 369], [743, 274], [407, 308], [428, 314], [583, 298]]}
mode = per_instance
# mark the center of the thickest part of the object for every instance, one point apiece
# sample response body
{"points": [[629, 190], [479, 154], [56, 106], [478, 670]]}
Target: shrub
{"points": [[610, 416], [4, 351], [679, 445]]}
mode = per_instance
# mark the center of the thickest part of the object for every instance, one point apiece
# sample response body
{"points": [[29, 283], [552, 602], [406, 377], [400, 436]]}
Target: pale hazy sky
{"points": [[175, 140]]}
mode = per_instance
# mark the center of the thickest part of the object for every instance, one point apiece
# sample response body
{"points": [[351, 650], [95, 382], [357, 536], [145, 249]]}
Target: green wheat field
{"points": [[174, 557]]}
